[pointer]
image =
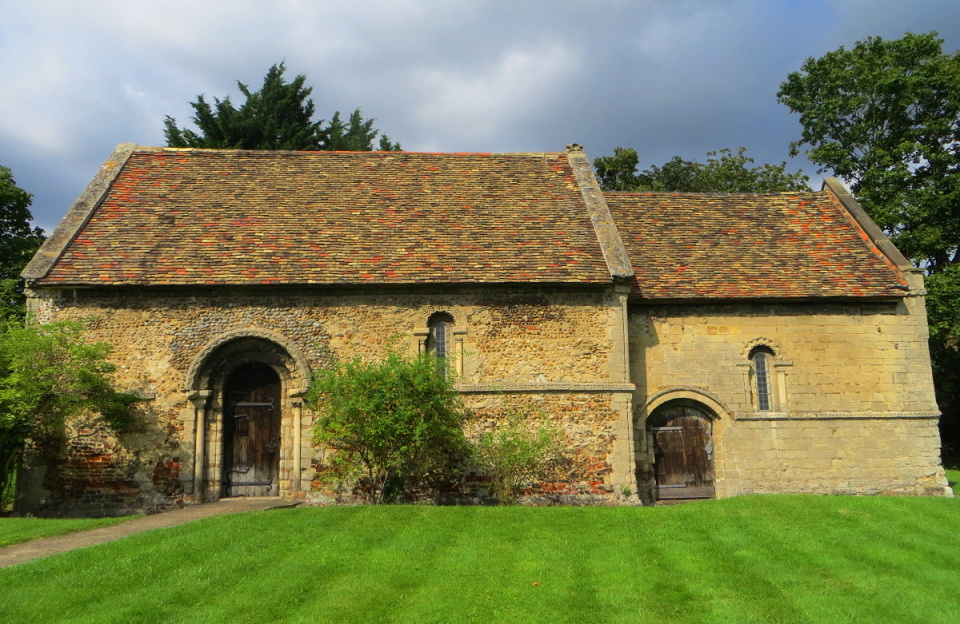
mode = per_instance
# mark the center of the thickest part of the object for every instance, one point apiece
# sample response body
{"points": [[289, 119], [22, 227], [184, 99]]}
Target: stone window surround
{"points": [[455, 339], [776, 375]]}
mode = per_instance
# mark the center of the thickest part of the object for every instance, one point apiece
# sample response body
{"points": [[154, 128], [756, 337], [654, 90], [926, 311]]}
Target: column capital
{"points": [[200, 398]]}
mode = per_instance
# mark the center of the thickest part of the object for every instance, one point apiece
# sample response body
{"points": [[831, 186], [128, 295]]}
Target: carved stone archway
{"points": [[205, 382], [644, 447]]}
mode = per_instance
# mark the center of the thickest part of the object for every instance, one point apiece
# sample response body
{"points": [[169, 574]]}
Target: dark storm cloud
{"points": [[667, 77]]}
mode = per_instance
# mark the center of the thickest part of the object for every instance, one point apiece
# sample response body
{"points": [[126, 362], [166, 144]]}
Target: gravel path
{"points": [[28, 551]]}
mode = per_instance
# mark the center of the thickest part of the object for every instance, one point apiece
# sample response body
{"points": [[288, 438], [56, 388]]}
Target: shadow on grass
{"points": [[953, 480], [18, 530]]}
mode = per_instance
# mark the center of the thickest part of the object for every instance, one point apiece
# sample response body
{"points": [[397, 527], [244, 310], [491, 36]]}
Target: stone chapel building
{"points": [[688, 345]]}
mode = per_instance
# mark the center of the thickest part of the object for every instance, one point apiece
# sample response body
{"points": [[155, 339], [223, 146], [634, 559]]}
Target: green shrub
{"points": [[525, 450], [49, 374], [395, 423]]}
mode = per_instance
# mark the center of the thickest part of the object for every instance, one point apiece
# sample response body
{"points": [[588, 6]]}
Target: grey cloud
{"points": [[669, 78]]}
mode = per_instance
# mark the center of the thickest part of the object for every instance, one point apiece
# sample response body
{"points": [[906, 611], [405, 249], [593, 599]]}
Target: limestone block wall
{"points": [[852, 407], [833, 456], [564, 350]]}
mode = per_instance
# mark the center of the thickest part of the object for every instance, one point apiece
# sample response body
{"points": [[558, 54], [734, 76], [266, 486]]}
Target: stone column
{"points": [[199, 400], [297, 405], [458, 350]]}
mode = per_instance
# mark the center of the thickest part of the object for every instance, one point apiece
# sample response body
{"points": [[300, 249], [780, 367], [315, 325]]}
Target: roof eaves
{"points": [[79, 214], [878, 297]]}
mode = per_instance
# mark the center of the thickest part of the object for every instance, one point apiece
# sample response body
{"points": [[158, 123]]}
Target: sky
{"points": [[666, 77]]}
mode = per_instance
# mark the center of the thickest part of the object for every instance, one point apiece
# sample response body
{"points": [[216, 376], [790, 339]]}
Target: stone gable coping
{"points": [[78, 216], [614, 252], [852, 206]]}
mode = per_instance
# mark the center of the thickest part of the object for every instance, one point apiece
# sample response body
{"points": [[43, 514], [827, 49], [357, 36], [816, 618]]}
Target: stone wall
{"points": [[852, 402], [886, 455], [563, 351], [852, 398]]}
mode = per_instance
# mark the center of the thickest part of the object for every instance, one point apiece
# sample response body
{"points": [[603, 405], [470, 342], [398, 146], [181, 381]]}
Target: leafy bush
{"points": [[49, 374], [525, 450], [397, 422]]}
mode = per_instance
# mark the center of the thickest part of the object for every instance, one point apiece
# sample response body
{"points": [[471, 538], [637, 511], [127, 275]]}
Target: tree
{"points": [[724, 172], [277, 117], [49, 374], [524, 450], [18, 242], [398, 421], [885, 116]]}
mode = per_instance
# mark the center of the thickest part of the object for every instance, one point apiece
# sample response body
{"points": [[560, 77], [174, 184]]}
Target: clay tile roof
{"points": [[785, 245], [194, 217]]}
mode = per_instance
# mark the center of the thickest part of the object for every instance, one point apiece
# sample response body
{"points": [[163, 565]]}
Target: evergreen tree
{"points": [[279, 116]]}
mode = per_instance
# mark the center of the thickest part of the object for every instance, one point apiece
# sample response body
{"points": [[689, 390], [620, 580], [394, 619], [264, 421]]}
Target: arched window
{"points": [[439, 338], [761, 358]]}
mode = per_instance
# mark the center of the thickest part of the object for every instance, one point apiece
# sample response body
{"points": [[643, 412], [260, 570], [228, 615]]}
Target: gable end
{"points": [[872, 230], [79, 214]]}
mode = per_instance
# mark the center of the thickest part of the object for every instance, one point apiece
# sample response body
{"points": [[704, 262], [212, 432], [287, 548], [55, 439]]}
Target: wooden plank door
{"points": [[683, 453], [251, 456]]}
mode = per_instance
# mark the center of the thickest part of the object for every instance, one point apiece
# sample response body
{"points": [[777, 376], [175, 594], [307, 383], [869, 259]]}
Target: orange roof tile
{"points": [[785, 245], [195, 217]]}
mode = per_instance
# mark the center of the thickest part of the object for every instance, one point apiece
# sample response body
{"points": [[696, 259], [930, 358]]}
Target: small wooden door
{"points": [[683, 453], [251, 454]]}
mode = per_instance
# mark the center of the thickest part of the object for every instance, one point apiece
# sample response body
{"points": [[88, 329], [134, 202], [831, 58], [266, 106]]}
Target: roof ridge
{"points": [[715, 193], [209, 150]]}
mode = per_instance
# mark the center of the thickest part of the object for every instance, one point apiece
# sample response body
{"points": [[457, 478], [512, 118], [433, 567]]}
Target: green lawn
{"points": [[16, 530], [953, 478], [751, 559]]}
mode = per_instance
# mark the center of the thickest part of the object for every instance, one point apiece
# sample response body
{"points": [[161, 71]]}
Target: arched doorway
{"points": [[246, 388], [251, 431], [682, 437]]}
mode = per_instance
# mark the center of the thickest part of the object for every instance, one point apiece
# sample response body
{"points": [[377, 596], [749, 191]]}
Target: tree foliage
{"points": [[49, 374], [18, 242], [885, 116], [399, 420], [724, 172], [279, 116], [524, 450]]}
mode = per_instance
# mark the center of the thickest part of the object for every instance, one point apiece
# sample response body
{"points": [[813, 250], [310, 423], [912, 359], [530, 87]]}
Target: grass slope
{"points": [[16, 530], [751, 559], [953, 478]]}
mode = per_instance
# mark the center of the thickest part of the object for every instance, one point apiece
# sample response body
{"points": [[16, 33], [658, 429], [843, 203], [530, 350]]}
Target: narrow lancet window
{"points": [[440, 326], [761, 370]]}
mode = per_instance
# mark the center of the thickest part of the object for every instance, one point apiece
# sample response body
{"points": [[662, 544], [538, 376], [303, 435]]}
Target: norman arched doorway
{"points": [[246, 388], [682, 436], [252, 402]]}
